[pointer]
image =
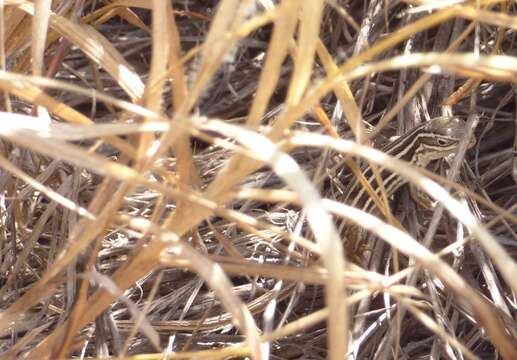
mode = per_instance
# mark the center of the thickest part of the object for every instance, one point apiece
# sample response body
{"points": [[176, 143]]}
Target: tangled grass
{"points": [[172, 177]]}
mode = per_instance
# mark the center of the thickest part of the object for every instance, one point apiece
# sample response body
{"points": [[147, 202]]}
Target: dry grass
{"points": [[172, 176]]}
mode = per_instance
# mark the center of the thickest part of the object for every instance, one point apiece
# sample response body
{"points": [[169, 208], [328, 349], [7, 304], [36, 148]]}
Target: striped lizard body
{"points": [[430, 141]]}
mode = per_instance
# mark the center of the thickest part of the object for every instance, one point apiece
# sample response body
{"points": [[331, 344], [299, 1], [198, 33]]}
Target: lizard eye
{"points": [[443, 142]]}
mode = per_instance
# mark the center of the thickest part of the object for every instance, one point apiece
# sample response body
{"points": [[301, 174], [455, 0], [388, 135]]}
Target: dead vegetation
{"points": [[168, 169]]}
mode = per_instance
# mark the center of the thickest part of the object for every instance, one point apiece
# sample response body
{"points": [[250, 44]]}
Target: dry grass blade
{"points": [[101, 51], [39, 34], [154, 90], [310, 19], [285, 24], [174, 196], [344, 94]]}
